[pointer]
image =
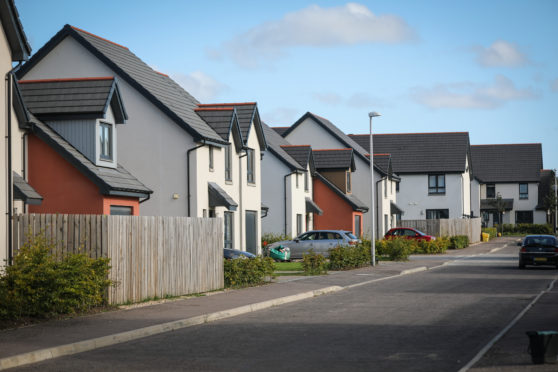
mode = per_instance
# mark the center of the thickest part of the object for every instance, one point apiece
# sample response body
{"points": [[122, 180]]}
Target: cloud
{"points": [[315, 26], [200, 85], [500, 54], [281, 116], [357, 100], [554, 85], [472, 96], [328, 98]]}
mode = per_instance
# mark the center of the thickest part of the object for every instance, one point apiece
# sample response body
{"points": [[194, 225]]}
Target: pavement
{"points": [[43, 341]]}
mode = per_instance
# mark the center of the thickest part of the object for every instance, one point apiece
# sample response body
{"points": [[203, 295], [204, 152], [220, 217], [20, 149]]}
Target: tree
{"points": [[500, 205]]}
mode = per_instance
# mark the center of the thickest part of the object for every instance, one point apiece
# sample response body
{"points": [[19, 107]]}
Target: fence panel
{"points": [[150, 256], [448, 227]]}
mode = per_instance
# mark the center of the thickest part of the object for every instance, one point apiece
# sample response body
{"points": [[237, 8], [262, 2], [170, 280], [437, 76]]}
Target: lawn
{"points": [[288, 266]]}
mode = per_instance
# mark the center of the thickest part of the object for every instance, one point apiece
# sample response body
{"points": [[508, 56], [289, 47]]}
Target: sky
{"points": [[489, 68]]}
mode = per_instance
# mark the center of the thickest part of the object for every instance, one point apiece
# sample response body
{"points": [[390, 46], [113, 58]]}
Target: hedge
{"points": [[349, 257], [314, 263], [242, 272]]}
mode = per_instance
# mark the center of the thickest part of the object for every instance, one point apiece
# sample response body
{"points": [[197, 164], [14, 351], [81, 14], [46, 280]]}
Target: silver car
{"points": [[320, 241]]}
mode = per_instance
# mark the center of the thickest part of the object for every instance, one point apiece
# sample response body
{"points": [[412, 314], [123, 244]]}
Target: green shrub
{"points": [[396, 249], [313, 263], [459, 242], [243, 272], [490, 231], [38, 285], [349, 257], [526, 228]]}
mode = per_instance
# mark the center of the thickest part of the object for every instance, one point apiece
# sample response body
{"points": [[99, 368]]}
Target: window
{"points": [[298, 224], [524, 217], [296, 180], [211, 163], [228, 229], [386, 222], [523, 191], [348, 181], [306, 181], [357, 225], [391, 187], [250, 166], [105, 136], [397, 187], [490, 191], [436, 214], [121, 210], [385, 188], [228, 163], [212, 213], [436, 184]]}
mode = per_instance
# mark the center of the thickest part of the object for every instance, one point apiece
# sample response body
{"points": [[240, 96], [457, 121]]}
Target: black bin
{"points": [[543, 346]]}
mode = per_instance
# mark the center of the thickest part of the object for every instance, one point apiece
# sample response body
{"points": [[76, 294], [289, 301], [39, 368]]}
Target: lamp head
{"points": [[373, 114]]}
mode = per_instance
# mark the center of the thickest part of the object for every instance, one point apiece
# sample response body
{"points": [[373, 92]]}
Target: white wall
{"points": [[151, 146], [414, 199], [475, 197], [273, 184]]}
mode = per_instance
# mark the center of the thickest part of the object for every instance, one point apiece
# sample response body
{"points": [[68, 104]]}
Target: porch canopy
{"points": [[312, 207], [219, 198], [23, 191]]}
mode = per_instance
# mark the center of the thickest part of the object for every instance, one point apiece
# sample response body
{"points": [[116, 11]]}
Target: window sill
{"points": [[228, 182], [251, 184], [437, 194]]}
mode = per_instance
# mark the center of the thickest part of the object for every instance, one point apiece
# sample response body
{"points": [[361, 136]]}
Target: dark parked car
{"points": [[231, 254], [538, 250], [408, 233], [320, 241]]}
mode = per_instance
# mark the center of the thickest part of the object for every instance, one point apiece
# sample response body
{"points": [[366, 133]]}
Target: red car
{"points": [[408, 233]]}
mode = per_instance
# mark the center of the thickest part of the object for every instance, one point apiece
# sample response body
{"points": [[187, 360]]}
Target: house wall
{"points": [[466, 189], [17, 154], [475, 197], [386, 195], [310, 133], [511, 191], [273, 194], [337, 214], [413, 196], [150, 145]]}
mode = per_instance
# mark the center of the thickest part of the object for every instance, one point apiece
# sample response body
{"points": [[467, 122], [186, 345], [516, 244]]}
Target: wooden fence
{"points": [[448, 227], [150, 256]]}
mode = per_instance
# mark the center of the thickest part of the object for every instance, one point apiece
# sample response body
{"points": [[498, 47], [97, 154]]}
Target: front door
{"points": [[251, 232]]}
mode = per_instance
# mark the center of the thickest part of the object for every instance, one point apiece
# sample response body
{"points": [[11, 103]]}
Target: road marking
{"points": [[496, 338]]}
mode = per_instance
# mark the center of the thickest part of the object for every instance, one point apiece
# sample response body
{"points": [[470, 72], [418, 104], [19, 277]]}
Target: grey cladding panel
{"points": [[80, 133]]}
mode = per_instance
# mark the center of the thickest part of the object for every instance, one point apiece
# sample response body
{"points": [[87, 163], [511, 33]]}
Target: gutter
{"points": [[188, 173]]}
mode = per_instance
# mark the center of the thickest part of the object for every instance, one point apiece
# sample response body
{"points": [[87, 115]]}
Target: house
{"points": [[15, 192], [72, 147], [435, 172], [167, 142], [333, 185], [513, 172], [287, 187], [320, 133]]}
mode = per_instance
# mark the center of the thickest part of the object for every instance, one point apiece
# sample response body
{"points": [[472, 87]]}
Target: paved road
{"points": [[436, 320]]}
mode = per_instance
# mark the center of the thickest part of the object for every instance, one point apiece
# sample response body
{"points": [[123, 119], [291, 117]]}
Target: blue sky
{"points": [[486, 67]]}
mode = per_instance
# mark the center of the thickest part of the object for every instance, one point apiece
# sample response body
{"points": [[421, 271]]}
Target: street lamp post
{"points": [[555, 204], [371, 115]]}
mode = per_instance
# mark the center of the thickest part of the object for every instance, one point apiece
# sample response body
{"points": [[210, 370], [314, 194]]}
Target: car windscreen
{"points": [[420, 232], [350, 235]]}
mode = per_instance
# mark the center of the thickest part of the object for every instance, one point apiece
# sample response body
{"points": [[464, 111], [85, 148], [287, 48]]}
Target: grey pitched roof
{"points": [[219, 198], [351, 199], [507, 163], [383, 161], [421, 152], [79, 97], [247, 113], [9, 17], [110, 181], [334, 159], [274, 143], [301, 153], [337, 133], [221, 119], [24, 191], [280, 130], [161, 90]]}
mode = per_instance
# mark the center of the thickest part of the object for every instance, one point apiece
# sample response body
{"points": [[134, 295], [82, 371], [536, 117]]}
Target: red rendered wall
{"points": [[65, 189], [338, 214]]}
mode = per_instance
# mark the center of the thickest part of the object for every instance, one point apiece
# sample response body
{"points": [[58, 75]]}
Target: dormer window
{"points": [[106, 142]]}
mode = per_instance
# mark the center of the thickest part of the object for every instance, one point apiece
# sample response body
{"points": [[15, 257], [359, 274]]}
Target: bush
{"points": [[38, 285], [527, 228], [440, 245], [459, 242], [490, 231], [397, 249], [243, 272], [349, 257], [313, 263]]}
